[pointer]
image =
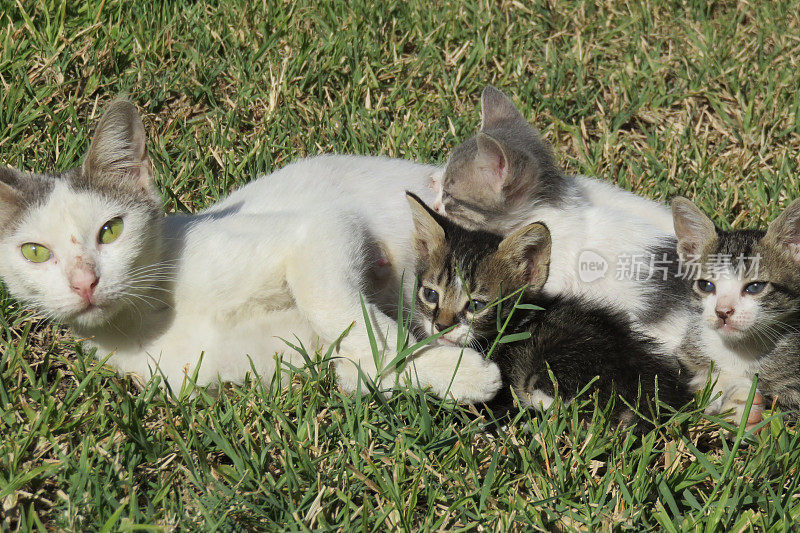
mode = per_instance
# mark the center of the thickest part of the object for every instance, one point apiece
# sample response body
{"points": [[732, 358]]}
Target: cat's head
{"points": [[746, 281], [75, 245], [493, 178], [461, 273]]}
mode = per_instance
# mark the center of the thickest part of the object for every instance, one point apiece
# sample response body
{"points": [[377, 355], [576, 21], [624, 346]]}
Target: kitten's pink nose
{"points": [[83, 282], [438, 206], [724, 312]]}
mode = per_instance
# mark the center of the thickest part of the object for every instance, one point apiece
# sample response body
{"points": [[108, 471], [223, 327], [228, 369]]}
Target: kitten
{"points": [[461, 272], [608, 243], [284, 257], [747, 293]]}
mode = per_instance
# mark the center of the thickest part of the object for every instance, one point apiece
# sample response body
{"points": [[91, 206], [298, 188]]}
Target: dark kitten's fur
{"points": [[747, 293], [461, 272]]}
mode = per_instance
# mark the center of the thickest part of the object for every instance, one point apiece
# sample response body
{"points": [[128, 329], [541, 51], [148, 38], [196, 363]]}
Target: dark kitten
{"points": [[747, 292], [461, 275]]}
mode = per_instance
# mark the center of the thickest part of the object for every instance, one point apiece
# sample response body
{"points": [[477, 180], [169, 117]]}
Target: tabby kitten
{"points": [[462, 273], [747, 290]]}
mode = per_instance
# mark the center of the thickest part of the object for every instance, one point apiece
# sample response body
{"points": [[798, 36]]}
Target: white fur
{"points": [[602, 194], [537, 399], [278, 259]]}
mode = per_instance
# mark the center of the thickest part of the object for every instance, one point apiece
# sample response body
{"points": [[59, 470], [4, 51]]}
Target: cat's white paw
{"points": [[476, 379], [734, 401]]}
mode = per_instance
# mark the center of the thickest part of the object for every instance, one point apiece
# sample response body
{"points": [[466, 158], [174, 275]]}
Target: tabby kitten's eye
{"points": [[475, 306], [756, 287], [35, 253], [705, 286], [110, 231], [430, 295]]}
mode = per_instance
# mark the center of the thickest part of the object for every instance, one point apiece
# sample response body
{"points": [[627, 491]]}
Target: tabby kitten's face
{"points": [[461, 274], [492, 178], [747, 282], [77, 245]]}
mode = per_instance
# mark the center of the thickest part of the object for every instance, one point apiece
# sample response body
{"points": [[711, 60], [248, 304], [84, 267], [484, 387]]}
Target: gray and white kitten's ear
{"points": [[117, 156], [692, 227], [784, 231], [496, 107], [428, 233], [9, 195], [491, 161], [527, 250]]}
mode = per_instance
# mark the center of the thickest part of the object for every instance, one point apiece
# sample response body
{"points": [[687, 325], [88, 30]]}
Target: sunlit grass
{"points": [[663, 98]]}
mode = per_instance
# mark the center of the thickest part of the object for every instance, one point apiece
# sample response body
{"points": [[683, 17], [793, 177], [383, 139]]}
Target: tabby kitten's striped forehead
{"points": [[460, 272]]}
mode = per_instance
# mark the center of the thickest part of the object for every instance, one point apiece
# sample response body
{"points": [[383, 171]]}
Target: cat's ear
{"points": [[496, 107], [528, 251], [9, 196], [428, 233], [492, 162], [692, 227], [118, 156], [784, 231]]}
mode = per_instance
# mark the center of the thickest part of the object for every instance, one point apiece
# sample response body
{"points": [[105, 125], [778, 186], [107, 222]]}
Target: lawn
{"points": [[661, 97]]}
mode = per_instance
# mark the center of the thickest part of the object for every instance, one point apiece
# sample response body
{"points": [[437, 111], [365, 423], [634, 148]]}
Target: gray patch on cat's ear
{"points": [[692, 227], [117, 156], [528, 250], [428, 233], [784, 231], [492, 161], [9, 196], [496, 107]]}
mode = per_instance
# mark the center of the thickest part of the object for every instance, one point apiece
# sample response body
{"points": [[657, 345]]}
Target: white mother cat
{"points": [[284, 256]]}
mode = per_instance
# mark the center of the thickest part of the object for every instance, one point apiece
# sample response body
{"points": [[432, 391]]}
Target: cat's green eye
{"points": [[35, 253], [110, 231], [429, 295], [705, 286], [756, 287]]}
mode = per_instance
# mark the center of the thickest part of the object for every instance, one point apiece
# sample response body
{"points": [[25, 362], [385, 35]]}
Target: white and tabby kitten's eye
{"points": [[429, 295], [756, 287], [475, 306], [35, 253], [705, 286], [110, 231]]}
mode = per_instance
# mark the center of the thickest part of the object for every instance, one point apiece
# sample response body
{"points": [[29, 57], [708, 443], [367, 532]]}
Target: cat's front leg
{"points": [[325, 277], [461, 373]]}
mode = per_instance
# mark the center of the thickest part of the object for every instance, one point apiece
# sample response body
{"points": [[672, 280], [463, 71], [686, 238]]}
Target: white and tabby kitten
{"points": [[747, 293], [506, 177], [284, 257]]}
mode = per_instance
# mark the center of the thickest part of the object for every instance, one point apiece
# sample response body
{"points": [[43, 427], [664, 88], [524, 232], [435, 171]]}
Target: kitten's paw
{"points": [[476, 380], [734, 401]]}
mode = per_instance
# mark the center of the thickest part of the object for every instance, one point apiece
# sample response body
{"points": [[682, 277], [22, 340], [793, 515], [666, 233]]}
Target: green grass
{"points": [[675, 97]]}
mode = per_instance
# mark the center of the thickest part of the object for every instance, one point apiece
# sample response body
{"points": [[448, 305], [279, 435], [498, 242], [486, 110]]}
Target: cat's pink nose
{"points": [[438, 206], [724, 312], [83, 283]]}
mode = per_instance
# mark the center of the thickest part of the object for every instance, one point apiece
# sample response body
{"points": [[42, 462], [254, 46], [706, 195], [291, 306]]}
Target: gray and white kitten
{"points": [[746, 289], [284, 257], [605, 240]]}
